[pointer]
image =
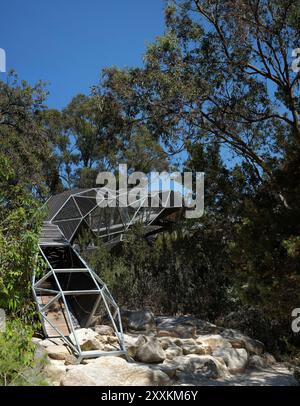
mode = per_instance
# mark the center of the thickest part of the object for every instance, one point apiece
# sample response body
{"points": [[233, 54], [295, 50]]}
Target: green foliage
{"points": [[176, 274], [23, 139], [20, 220], [292, 246], [17, 356]]}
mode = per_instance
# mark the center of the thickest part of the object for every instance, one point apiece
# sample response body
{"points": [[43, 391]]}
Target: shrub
{"points": [[20, 222], [17, 356]]}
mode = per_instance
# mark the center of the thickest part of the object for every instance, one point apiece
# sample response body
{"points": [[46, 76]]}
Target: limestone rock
{"points": [[256, 361], [131, 344], [71, 360], [165, 342], [50, 341], [213, 341], [169, 370], [173, 351], [77, 377], [54, 371], [206, 365], [107, 339], [200, 349], [58, 352], [110, 347], [140, 321], [87, 339], [184, 326], [36, 340], [172, 327], [236, 359], [104, 330], [261, 361], [149, 350], [188, 346], [144, 349], [167, 333], [184, 341], [114, 371], [239, 340]]}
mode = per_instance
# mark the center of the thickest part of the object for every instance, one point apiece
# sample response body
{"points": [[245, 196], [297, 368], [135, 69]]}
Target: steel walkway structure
{"points": [[69, 295]]}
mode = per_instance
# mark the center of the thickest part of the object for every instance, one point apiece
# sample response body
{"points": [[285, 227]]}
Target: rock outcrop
{"points": [[114, 371], [176, 351], [149, 350], [139, 321]]}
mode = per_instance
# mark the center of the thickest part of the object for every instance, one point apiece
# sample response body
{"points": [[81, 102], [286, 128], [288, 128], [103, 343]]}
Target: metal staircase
{"points": [[69, 295]]}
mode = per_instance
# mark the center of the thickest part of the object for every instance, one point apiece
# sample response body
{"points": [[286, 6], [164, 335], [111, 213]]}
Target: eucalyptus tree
{"points": [[222, 71], [23, 139]]}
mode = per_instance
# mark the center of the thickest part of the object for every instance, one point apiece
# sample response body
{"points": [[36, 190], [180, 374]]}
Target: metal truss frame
{"points": [[101, 291], [82, 218], [103, 295]]}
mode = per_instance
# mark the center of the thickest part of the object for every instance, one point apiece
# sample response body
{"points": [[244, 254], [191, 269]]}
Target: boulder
{"points": [[184, 341], [149, 350], [104, 330], [104, 339], [167, 333], [51, 341], [169, 370], [239, 340], [77, 377], [131, 344], [166, 342], [236, 359], [45, 343], [71, 360], [200, 349], [114, 371], [173, 351], [213, 341], [175, 327], [188, 345], [87, 339], [36, 340], [58, 352], [261, 361], [206, 365], [141, 320], [144, 349], [54, 371], [184, 326], [110, 347], [256, 361], [112, 340]]}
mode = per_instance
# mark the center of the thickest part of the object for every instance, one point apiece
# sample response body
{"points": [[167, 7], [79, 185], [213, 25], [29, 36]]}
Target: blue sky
{"points": [[68, 42]]}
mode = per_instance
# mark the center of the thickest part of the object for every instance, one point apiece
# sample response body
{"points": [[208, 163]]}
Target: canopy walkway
{"points": [[68, 294]]}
